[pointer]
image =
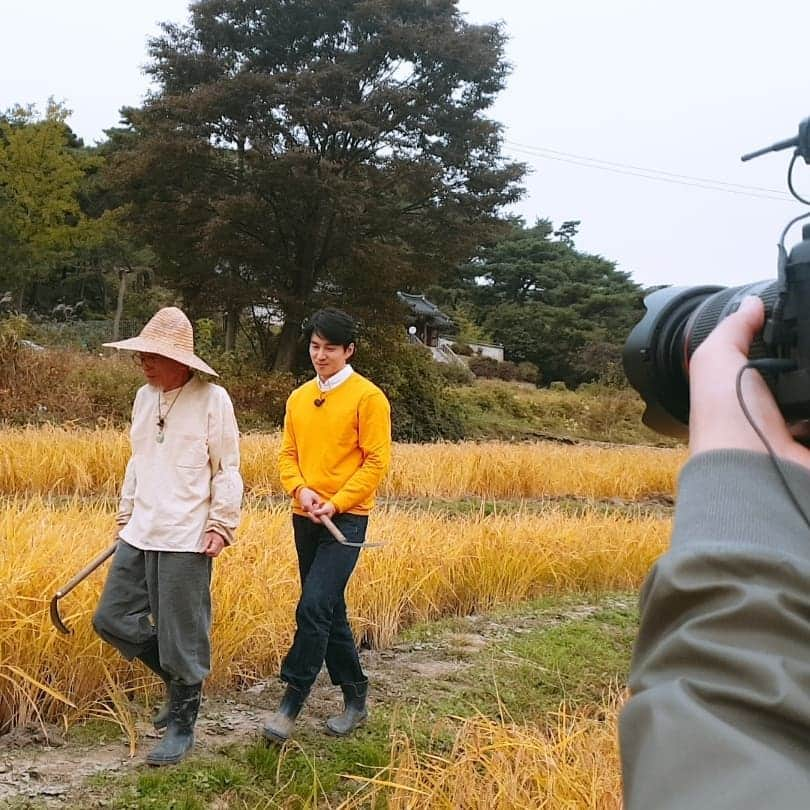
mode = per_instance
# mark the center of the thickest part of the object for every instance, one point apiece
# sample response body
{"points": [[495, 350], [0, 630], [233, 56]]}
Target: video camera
{"points": [[678, 319]]}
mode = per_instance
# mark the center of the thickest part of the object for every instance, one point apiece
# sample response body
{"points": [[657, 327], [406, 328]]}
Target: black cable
{"points": [[790, 181], [769, 364]]}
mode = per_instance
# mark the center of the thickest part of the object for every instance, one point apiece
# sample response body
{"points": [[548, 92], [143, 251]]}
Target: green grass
{"points": [[315, 765], [536, 656], [515, 411], [573, 507], [188, 786], [575, 663], [93, 732], [554, 657]]}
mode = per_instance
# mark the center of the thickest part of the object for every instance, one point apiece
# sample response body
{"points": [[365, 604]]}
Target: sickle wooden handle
{"points": [[341, 538]]}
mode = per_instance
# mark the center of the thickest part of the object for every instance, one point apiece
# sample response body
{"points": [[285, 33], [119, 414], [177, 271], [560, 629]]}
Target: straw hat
{"points": [[169, 334]]}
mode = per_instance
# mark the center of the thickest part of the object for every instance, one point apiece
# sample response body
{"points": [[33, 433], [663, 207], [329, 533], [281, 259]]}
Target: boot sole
{"points": [[330, 730], [157, 763], [272, 737]]}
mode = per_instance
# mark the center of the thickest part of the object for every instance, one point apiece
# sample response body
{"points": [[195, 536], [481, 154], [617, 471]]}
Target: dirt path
{"points": [[39, 768]]}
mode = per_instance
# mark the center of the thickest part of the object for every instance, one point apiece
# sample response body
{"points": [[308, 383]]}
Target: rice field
{"points": [[57, 500], [570, 762], [433, 566], [58, 461]]}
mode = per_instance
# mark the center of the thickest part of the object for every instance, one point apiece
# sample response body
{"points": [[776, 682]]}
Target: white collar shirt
{"points": [[324, 386], [185, 483]]}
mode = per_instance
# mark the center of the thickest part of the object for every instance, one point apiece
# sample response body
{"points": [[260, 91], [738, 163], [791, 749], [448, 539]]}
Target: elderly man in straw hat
{"points": [[180, 504]]}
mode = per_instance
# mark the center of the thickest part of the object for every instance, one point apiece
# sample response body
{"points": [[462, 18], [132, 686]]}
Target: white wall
{"points": [[483, 349]]}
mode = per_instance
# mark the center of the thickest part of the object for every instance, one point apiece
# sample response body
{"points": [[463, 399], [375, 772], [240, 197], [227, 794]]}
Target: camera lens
{"points": [[656, 354]]}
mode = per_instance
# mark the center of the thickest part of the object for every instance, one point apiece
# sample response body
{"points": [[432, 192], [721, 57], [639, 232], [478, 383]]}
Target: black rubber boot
{"points": [[179, 738], [279, 727], [151, 658], [354, 709]]}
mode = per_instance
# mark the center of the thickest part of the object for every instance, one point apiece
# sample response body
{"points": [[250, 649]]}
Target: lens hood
{"points": [[653, 357]]}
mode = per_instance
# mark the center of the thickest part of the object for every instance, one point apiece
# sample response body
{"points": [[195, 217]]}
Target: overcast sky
{"points": [[678, 88]]}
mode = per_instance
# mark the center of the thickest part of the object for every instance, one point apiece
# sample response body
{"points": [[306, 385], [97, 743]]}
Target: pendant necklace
{"points": [[161, 420], [321, 395]]}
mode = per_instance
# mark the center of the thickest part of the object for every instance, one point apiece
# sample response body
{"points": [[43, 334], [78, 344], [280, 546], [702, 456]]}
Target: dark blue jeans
{"points": [[322, 630]]}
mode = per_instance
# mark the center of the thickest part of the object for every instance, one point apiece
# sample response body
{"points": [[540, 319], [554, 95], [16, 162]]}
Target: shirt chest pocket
{"points": [[192, 452]]}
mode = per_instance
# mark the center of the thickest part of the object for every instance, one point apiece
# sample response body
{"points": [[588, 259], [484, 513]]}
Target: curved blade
{"points": [[66, 589], [56, 618]]}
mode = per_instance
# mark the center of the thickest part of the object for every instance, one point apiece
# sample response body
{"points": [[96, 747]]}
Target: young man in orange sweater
{"points": [[334, 453]]}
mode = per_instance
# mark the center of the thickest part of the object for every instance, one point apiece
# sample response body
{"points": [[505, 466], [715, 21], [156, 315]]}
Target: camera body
{"points": [[678, 319]]}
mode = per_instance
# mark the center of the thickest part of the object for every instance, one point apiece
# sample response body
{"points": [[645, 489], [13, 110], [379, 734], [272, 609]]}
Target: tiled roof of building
{"points": [[421, 307]]}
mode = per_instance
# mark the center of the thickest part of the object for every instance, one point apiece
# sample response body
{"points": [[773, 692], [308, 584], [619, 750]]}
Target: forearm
{"points": [[290, 477], [225, 511], [288, 469], [721, 669]]}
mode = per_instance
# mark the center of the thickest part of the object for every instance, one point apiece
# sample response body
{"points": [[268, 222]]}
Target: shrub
{"points": [[260, 398], [490, 368], [421, 410], [501, 399], [13, 330], [455, 373], [485, 367], [602, 363], [464, 349], [528, 372], [63, 385], [108, 385], [58, 385], [507, 370]]}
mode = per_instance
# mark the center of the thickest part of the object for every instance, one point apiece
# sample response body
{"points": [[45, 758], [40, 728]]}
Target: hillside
{"points": [[66, 386]]}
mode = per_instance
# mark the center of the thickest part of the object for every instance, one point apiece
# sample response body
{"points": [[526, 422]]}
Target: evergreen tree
{"points": [[566, 311]]}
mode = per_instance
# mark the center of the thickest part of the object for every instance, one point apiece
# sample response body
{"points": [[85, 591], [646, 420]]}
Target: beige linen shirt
{"points": [[176, 490]]}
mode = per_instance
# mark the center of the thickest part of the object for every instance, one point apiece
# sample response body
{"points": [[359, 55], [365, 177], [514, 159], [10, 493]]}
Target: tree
{"points": [[41, 221], [550, 304], [116, 258], [297, 154], [567, 231]]}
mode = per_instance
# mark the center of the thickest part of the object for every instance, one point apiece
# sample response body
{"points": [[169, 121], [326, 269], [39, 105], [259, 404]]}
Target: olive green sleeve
{"points": [[719, 716]]}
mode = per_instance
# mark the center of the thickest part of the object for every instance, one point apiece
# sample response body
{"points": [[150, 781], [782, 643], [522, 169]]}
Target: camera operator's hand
{"points": [[716, 419]]}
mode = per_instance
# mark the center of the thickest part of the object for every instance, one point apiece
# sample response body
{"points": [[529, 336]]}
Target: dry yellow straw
{"points": [[57, 461], [500, 765], [432, 566]]}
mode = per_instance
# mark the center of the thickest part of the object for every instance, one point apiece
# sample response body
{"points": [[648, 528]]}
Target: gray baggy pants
{"points": [[162, 596]]}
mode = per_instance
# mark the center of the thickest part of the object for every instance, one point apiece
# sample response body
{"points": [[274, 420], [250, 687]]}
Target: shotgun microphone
{"points": [[801, 142]]}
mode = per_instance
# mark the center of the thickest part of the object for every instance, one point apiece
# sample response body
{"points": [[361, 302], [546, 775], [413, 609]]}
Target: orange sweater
{"points": [[342, 449]]}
